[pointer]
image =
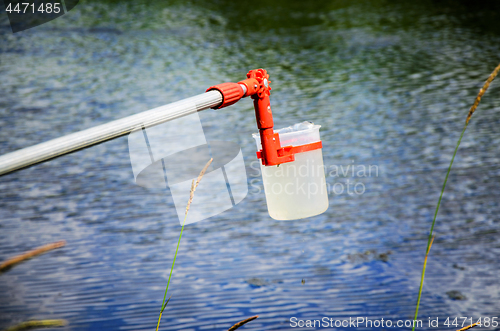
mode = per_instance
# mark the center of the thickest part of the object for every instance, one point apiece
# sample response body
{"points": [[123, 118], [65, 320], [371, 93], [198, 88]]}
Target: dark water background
{"points": [[389, 81]]}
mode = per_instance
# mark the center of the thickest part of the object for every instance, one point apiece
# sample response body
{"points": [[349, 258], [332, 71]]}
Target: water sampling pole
{"points": [[216, 97], [302, 146]]}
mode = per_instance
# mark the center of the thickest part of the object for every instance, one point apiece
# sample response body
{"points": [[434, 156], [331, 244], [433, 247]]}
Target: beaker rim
{"points": [[313, 127]]}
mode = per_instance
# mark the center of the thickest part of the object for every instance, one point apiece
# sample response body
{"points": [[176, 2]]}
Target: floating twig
{"points": [[469, 327], [28, 255], [37, 324], [245, 321]]}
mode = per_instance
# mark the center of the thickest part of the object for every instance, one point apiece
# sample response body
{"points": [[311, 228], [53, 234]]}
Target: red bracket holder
{"points": [[257, 85]]}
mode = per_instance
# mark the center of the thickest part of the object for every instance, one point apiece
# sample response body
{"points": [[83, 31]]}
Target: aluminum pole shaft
{"points": [[79, 140]]}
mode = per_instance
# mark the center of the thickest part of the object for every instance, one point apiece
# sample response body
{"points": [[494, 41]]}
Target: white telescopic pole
{"points": [[79, 140]]}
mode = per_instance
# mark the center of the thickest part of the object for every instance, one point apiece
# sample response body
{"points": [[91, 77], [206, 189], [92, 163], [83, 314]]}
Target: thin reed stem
{"points": [[422, 280], [431, 237], [164, 304], [194, 185]]}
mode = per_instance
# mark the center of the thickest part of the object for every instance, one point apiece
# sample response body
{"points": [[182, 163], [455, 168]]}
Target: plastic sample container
{"points": [[296, 189]]}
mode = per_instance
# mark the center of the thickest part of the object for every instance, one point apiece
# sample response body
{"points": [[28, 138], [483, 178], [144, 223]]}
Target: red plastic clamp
{"points": [[288, 151], [258, 86]]}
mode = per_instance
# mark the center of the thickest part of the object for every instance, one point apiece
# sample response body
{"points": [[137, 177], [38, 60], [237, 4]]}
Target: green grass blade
{"points": [[172, 269]]}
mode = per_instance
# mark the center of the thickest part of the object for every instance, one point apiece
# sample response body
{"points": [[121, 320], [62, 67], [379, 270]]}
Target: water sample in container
{"points": [[296, 189]]}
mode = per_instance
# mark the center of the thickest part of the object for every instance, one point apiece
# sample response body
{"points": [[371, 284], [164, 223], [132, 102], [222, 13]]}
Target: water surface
{"points": [[390, 83]]}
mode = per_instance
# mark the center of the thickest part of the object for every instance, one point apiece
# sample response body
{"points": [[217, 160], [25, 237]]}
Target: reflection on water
{"points": [[390, 84]]}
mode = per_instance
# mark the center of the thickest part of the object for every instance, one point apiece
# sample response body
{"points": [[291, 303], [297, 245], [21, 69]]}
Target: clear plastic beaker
{"points": [[296, 189]]}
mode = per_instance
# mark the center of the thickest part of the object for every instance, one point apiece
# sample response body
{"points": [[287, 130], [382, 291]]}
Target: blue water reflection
{"points": [[390, 84]]}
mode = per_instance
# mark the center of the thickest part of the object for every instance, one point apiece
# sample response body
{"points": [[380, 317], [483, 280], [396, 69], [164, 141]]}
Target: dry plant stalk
{"points": [[194, 185], [237, 325], [28, 255], [37, 324], [481, 93]]}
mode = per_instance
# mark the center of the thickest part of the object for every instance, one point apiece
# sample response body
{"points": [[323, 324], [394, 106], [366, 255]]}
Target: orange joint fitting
{"points": [[231, 93], [252, 86]]}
